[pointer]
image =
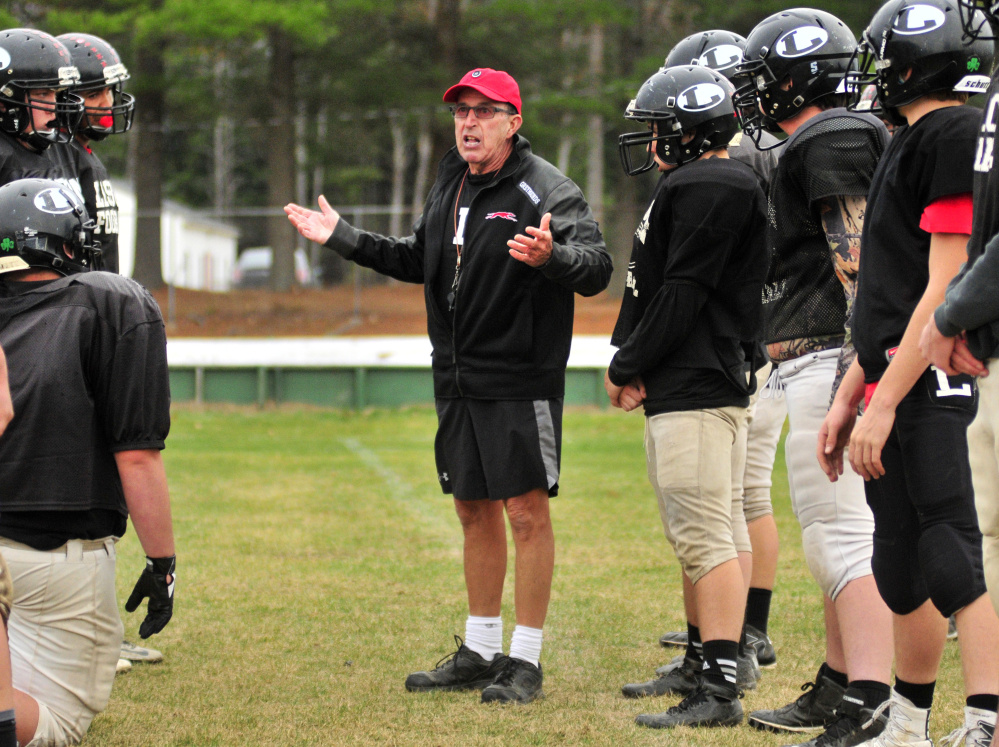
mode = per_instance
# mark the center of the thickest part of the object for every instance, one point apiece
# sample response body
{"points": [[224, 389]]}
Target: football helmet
{"points": [[792, 59], [985, 26], [915, 47], [32, 60], [44, 224], [677, 101], [716, 49], [100, 67]]}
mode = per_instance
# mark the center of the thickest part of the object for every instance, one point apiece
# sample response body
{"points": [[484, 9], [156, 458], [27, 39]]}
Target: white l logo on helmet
{"points": [[918, 19], [699, 97], [801, 41], [721, 57], [53, 200], [4, 59]]}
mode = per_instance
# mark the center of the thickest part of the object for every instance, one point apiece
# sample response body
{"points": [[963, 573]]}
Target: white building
{"points": [[197, 252]]}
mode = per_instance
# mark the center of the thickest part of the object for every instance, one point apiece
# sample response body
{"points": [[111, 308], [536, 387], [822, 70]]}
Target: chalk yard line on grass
{"points": [[420, 506]]}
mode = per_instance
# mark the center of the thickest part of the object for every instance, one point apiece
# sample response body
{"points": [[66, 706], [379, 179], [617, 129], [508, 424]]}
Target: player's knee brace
{"points": [[898, 577], [834, 558], [951, 559]]}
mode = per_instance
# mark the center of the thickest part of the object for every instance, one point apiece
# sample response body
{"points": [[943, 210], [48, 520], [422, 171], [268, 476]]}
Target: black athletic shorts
{"points": [[498, 449]]}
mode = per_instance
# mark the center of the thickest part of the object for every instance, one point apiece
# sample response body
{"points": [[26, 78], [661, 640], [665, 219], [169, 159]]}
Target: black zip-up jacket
{"points": [[511, 329]]}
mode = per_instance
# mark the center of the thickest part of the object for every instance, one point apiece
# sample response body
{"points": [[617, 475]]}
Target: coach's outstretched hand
{"points": [[156, 582], [315, 225]]}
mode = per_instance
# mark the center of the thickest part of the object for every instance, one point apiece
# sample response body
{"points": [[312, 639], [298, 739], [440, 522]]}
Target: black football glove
{"points": [[156, 582]]}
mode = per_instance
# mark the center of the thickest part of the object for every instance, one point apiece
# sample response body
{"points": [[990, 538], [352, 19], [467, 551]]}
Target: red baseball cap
{"points": [[496, 84]]}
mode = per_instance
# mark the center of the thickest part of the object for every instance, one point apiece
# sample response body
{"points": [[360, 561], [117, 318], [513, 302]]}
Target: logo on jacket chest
{"points": [[459, 234]]}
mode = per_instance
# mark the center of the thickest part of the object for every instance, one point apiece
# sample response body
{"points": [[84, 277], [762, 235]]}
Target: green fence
{"points": [[339, 372]]}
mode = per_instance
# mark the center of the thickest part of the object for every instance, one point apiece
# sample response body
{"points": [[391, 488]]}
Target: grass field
{"points": [[318, 564]]}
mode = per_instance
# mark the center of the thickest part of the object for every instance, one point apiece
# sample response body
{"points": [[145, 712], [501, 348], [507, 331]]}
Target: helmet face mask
{"points": [[793, 59], [914, 48], [100, 67], [689, 111], [31, 60], [44, 225], [983, 27]]}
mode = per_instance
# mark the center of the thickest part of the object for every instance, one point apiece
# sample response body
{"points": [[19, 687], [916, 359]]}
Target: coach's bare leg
{"points": [[485, 555], [721, 602], [534, 540], [919, 643], [978, 636], [766, 542], [865, 627]]}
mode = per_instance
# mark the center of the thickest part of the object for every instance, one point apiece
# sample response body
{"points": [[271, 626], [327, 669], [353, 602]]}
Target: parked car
{"points": [[253, 269]]}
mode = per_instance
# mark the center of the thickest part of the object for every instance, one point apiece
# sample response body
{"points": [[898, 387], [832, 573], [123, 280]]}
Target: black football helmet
{"points": [[32, 60], [915, 47], [100, 67], [678, 101], [716, 49], [44, 224], [985, 26], [808, 52]]}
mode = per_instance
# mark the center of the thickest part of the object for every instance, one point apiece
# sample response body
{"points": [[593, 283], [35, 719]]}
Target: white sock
{"points": [[484, 635], [526, 644]]}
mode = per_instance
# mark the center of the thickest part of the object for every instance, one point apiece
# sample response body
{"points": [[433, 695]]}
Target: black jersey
{"points": [[88, 377], [834, 153], [94, 186], [972, 302], [17, 162], [924, 162], [762, 162], [691, 311]]}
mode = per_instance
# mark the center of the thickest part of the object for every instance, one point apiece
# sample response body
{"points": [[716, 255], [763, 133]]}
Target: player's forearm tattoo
{"points": [[843, 223], [846, 356]]}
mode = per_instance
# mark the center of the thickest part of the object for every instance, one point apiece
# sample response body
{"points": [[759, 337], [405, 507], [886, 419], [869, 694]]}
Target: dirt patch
{"points": [[392, 309]]}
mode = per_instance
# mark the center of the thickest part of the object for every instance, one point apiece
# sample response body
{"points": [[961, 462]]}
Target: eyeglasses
{"points": [[460, 111]]}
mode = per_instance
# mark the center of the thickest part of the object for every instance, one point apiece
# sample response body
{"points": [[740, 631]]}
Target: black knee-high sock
{"points": [[758, 608]]}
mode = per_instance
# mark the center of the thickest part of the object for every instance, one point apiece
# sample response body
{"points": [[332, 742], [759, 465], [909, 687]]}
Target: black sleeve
{"points": [[707, 227], [838, 159], [948, 148], [401, 259], [579, 260], [133, 394]]}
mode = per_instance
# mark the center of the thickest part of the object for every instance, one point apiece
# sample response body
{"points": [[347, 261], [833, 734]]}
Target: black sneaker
{"points": [[676, 638], [854, 725], [462, 670], [816, 709], [747, 671], [519, 682], [708, 705], [765, 654], [680, 679]]}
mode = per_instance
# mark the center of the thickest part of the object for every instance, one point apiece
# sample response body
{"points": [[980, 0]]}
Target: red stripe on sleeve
{"points": [[950, 214]]}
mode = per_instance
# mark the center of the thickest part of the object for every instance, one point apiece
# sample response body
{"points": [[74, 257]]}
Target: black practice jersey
{"points": [[930, 160], [762, 162], [834, 153], [691, 310], [94, 186], [88, 377], [17, 162]]}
